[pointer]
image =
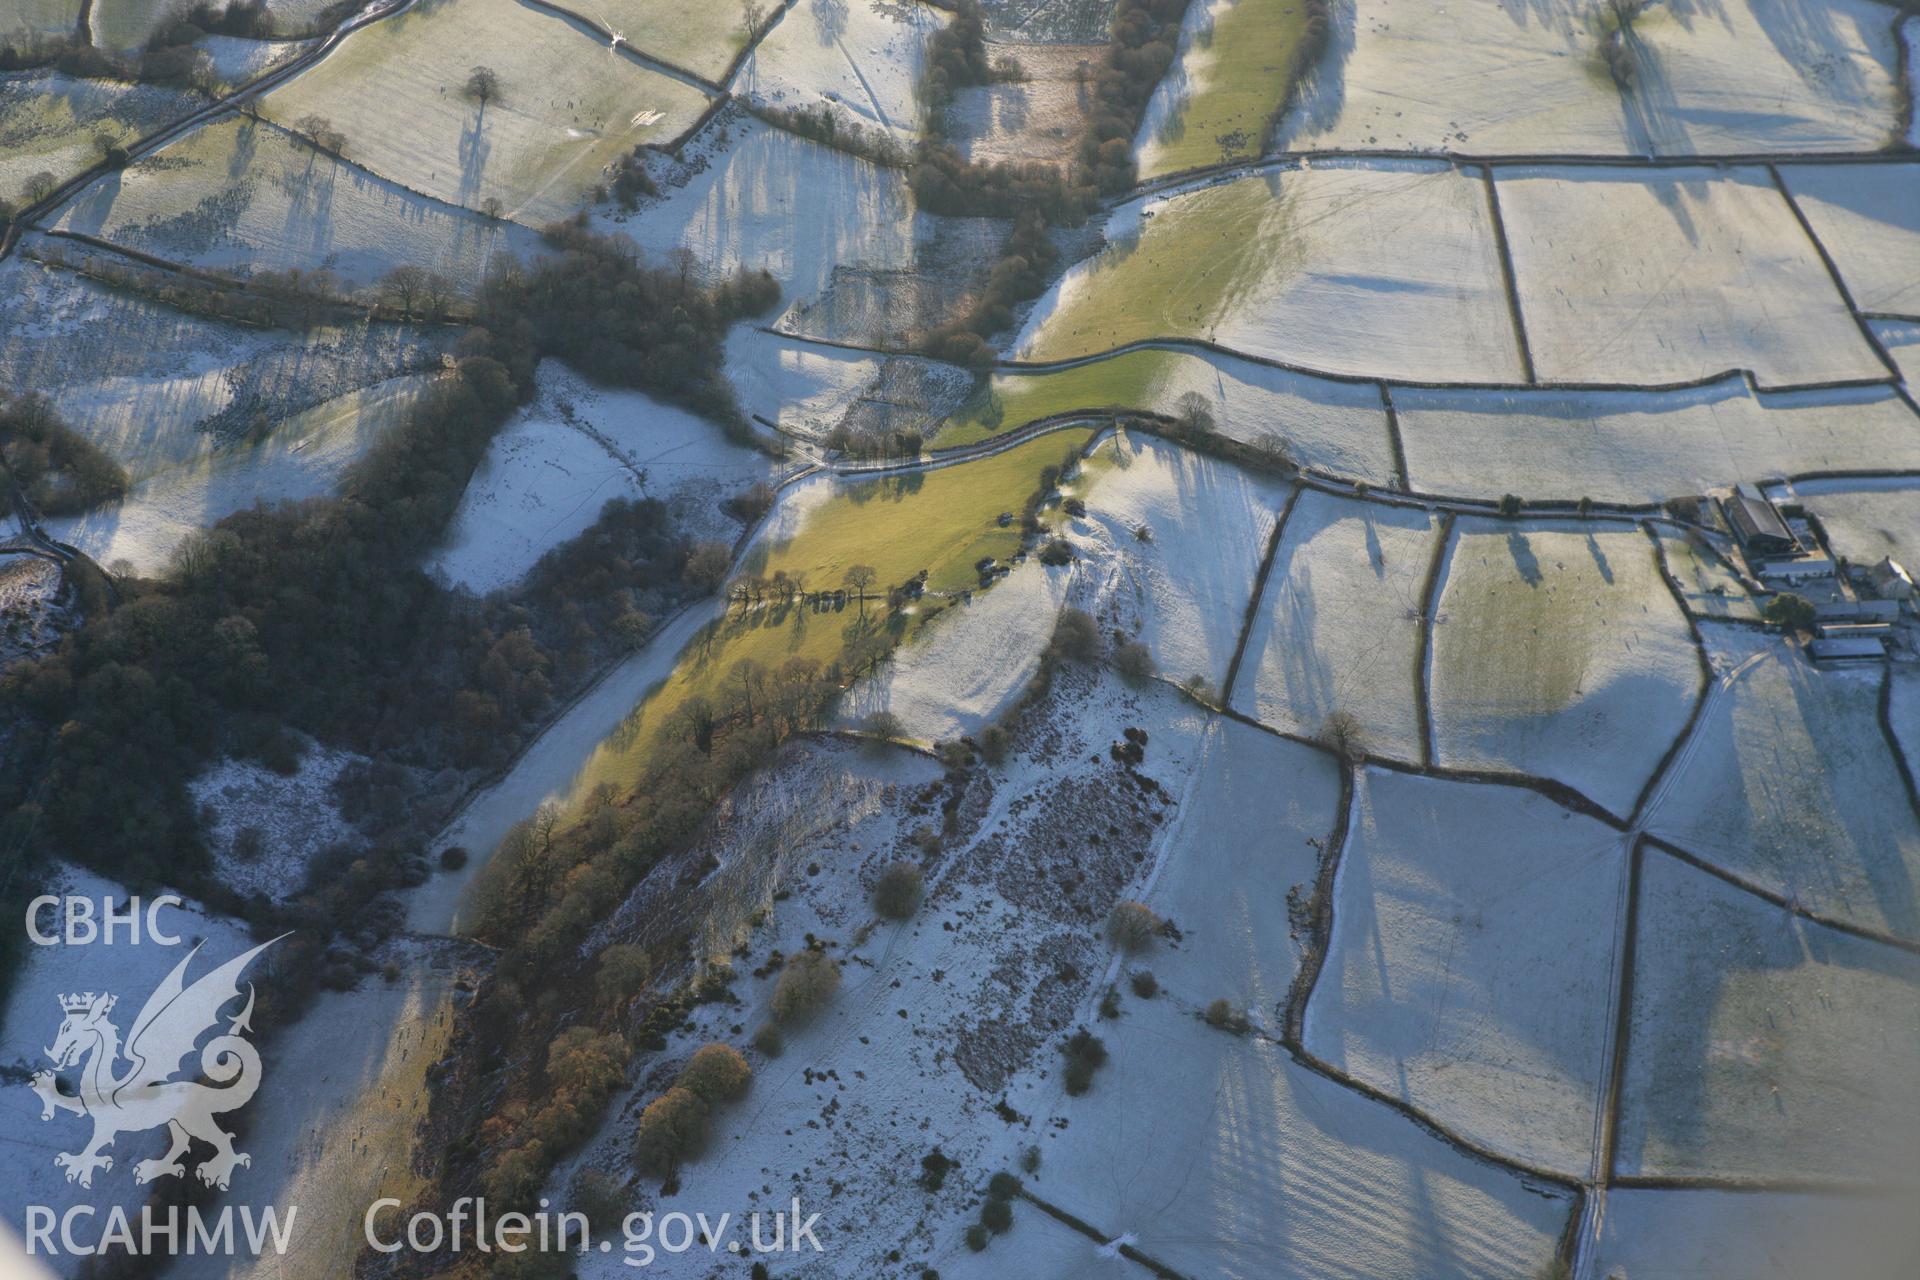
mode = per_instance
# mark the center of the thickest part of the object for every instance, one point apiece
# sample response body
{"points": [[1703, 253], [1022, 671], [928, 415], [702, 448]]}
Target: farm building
{"points": [[1758, 526]]}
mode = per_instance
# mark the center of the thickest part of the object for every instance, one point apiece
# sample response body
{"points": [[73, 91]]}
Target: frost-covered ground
{"points": [[806, 389], [1559, 651], [48, 121], [1476, 78], [290, 818], [993, 968], [1868, 217], [1530, 77], [858, 59], [975, 663], [1385, 269], [577, 447], [565, 108], [1745, 1235], [1038, 117], [157, 388], [1471, 959], [1721, 76], [1902, 341], [771, 201], [1644, 446], [1704, 570], [1791, 785], [1763, 1046], [1867, 520], [1666, 276], [1338, 628], [1169, 548], [1338, 427], [246, 196], [304, 457], [1223, 1157]]}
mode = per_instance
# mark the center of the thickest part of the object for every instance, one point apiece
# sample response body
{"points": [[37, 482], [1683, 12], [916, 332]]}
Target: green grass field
{"points": [[1191, 259], [565, 107], [1239, 77], [1131, 380], [942, 521], [702, 37]]}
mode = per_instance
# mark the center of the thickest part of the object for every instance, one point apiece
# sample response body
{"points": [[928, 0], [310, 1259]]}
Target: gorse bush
{"points": [[897, 895]]}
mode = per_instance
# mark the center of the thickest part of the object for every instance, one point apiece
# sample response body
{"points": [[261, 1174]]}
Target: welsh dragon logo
{"points": [[145, 1094]]}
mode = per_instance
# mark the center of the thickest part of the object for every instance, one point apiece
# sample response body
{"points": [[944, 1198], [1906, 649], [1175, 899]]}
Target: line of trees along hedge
{"points": [[317, 616], [552, 882]]}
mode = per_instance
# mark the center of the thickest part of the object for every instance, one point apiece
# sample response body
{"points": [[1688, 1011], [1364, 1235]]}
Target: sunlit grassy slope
{"points": [[1129, 380], [942, 521], [1238, 74]]}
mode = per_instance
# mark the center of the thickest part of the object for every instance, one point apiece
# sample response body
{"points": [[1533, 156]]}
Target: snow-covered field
{"points": [[1039, 117], [1763, 1046], [1469, 969], [1792, 785], [938, 1018], [1743, 1235], [1644, 446], [1901, 338], [577, 447], [1250, 833], [1184, 588], [303, 458], [1669, 275], [1704, 570], [1530, 76], [701, 37], [1338, 427], [1868, 217], [859, 59], [1720, 76], [1386, 269], [1480, 79], [777, 202], [245, 197], [158, 388], [1222, 1157], [236, 60], [1338, 629], [807, 390], [48, 121], [974, 664], [565, 109], [1867, 520], [1560, 652]]}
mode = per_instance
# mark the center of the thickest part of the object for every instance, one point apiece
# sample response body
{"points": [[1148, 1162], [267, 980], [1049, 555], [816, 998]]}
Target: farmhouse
{"points": [[1890, 580]]}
